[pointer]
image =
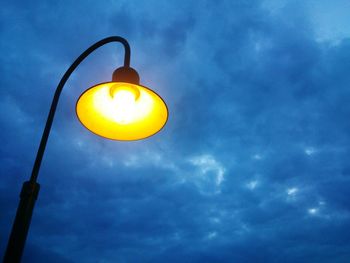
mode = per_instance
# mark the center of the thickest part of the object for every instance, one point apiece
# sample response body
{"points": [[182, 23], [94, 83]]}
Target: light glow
{"points": [[121, 111]]}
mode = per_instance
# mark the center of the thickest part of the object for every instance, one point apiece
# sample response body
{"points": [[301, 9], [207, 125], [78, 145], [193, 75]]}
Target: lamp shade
{"points": [[121, 111]]}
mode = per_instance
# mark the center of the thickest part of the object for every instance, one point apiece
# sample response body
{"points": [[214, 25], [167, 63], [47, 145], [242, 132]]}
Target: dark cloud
{"points": [[253, 165]]}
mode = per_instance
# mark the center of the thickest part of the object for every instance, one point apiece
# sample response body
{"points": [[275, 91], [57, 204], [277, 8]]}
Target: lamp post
{"points": [[119, 110]]}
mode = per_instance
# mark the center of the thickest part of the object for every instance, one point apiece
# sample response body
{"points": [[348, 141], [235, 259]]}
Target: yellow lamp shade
{"points": [[122, 111]]}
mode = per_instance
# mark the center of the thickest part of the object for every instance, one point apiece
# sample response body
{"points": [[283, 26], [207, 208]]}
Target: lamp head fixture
{"points": [[122, 109]]}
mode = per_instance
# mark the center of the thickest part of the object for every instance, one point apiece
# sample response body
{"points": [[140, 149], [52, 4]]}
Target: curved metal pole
{"points": [[65, 77], [31, 188]]}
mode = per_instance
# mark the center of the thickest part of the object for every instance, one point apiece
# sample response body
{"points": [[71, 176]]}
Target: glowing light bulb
{"points": [[124, 101]]}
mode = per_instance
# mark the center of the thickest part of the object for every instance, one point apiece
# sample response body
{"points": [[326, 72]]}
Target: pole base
{"points": [[18, 236]]}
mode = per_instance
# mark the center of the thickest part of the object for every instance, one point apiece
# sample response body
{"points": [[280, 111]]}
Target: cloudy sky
{"points": [[252, 166]]}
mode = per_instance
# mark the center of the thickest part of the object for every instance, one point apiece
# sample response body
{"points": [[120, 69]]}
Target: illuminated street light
{"points": [[120, 110]]}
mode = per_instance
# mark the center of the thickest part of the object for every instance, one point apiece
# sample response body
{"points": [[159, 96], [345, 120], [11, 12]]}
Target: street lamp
{"points": [[119, 110]]}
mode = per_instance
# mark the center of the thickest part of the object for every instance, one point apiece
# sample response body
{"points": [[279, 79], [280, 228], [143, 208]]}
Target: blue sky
{"points": [[252, 166]]}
